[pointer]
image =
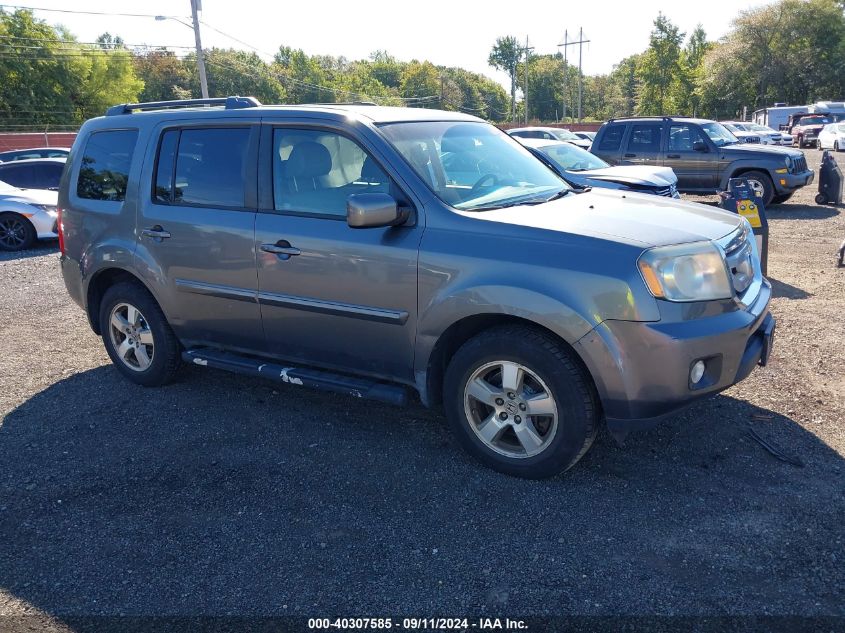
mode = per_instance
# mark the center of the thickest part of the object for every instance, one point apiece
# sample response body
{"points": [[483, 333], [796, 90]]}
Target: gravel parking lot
{"points": [[220, 495]]}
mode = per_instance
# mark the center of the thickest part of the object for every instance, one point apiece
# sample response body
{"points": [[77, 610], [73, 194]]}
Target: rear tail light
{"points": [[61, 231]]}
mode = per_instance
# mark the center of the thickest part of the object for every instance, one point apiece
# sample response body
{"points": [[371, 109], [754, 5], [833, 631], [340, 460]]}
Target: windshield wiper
{"points": [[558, 195]]}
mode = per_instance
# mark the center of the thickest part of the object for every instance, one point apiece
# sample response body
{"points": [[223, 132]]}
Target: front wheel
{"points": [[16, 232], [761, 184], [821, 198], [519, 403], [137, 337], [835, 146]]}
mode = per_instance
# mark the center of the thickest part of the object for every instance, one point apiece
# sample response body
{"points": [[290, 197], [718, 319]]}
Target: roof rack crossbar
{"points": [[229, 103]]}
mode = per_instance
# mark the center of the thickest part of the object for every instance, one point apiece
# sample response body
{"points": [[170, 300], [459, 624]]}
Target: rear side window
{"points": [[22, 176], [210, 167], [611, 141], [645, 137], [105, 165]]}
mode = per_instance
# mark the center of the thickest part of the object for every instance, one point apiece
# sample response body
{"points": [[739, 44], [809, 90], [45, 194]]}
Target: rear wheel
{"points": [[835, 146], [16, 232], [821, 198], [137, 337], [761, 184], [519, 403]]}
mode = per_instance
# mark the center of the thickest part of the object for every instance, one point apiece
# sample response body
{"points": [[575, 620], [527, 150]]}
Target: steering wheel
{"points": [[480, 182]]}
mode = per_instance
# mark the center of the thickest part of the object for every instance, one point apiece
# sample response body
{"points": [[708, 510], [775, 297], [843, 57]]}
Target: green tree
{"points": [[420, 82], [236, 72], [505, 56], [685, 90], [658, 67], [165, 76]]}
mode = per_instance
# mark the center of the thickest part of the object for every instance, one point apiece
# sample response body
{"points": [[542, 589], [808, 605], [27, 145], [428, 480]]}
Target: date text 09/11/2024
{"points": [[411, 624]]}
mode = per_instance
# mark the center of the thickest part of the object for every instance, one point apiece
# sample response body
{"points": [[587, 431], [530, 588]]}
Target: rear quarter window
{"points": [[611, 141], [106, 159]]}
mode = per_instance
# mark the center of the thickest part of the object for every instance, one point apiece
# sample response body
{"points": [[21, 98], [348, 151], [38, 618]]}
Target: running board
{"points": [[306, 377]]}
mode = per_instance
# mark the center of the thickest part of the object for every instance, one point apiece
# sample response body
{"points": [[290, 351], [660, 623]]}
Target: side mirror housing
{"points": [[373, 210], [699, 146]]}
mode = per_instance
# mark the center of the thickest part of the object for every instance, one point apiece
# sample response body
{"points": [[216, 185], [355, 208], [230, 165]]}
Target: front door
{"points": [[696, 170], [196, 233], [334, 296]]}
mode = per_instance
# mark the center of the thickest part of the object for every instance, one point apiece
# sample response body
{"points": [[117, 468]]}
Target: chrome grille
{"points": [[799, 164], [668, 192], [739, 254]]}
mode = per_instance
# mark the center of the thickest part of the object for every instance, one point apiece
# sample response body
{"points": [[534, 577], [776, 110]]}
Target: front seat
{"points": [[307, 167]]}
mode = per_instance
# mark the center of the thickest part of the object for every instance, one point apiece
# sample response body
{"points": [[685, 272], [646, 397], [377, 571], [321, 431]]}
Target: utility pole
{"points": [[581, 41], [525, 100], [564, 44], [196, 5]]}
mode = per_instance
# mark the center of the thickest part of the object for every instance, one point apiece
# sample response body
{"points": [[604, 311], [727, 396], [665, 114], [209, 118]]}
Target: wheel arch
{"points": [[99, 283], [468, 327]]}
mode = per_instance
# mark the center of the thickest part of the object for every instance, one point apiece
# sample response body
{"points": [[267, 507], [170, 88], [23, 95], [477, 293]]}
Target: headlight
{"points": [[686, 272], [789, 163]]}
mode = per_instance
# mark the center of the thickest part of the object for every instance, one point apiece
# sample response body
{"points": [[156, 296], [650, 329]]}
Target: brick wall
{"points": [[573, 127], [16, 140]]}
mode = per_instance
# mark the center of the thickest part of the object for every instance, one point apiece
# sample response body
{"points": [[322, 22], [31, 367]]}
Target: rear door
{"points": [[338, 297], [196, 231], [644, 144], [696, 170]]}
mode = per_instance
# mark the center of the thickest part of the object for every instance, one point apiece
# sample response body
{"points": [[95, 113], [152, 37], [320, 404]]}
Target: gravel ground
{"points": [[220, 495]]}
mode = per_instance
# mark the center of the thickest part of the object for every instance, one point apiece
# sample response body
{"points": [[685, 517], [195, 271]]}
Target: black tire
{"points": [[821, 198], [16, 232], [765, 181], [166, 357], [782, 198], [835, 146], [569, 384]]}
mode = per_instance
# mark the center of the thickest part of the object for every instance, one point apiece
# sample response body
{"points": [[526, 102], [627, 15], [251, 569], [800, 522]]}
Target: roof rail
{"points": [[229, 103], [340, 103]]}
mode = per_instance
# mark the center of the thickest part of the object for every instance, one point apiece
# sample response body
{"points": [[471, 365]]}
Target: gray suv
{"points": [[704, 155], [385, 251]]}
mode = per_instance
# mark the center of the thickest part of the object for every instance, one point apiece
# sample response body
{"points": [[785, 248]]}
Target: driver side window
{"points": [[682, 138]]}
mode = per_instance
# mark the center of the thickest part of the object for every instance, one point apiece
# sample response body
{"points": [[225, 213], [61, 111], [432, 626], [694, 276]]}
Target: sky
{"points": [[446, 32]]}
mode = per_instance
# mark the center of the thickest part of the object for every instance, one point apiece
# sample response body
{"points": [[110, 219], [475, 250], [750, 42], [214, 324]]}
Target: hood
{"points": [[762, 149], [32, 196], [631, 218], [634, 174], [581, 142]]}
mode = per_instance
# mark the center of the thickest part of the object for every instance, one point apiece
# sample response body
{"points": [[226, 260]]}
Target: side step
{"points": [[307, 377]]}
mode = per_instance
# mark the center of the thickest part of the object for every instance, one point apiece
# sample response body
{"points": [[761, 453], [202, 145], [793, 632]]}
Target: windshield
{"points": [[565, 135], [719, 134], [736, 127], [571, 158], [814, 120], [760, 128], [473, 166]]}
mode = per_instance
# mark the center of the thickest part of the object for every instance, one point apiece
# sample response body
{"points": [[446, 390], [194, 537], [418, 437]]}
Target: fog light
{"points": [[697, 371]]}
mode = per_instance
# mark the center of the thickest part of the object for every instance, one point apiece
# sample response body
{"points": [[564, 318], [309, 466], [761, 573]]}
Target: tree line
{"points": [[791, 51]]}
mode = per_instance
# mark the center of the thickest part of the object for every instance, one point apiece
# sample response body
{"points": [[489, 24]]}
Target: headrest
{"points": [[308, 160]]}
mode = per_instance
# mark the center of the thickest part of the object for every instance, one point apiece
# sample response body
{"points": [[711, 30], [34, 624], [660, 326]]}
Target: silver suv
{"points": [[385, 251]]}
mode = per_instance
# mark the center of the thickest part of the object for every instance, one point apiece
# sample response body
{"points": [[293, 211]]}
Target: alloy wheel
{"points": [[511, 409], [131, 337], [12, 232]]}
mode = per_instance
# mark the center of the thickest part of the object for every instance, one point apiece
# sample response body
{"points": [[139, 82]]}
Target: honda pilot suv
{"points": [[704, 154], [384, 251]]}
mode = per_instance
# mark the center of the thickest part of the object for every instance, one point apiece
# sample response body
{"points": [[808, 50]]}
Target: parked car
{"points": [[704, 155], [743, 133], [34, 173], [551, 134], [26, 215], [332, 246], [805, 128], [581, 169], [832, 137], [587, 136], [34, 152], [775, 137]]}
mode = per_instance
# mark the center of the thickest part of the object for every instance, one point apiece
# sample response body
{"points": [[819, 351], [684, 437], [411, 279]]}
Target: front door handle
{"points": [[282, 247], [156, 232], [673, 155], [630, 155]]}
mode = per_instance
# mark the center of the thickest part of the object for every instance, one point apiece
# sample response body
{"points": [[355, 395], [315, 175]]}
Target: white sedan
{"points": [[832, 137], [25, 216]]}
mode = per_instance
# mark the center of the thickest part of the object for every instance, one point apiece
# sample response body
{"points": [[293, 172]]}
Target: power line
{"points": [[80, 12], [74, 42]]}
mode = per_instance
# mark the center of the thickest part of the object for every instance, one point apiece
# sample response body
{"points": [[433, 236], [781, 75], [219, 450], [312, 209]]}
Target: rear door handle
{"points": [[282, 247], [673, 155], [156, 232]]}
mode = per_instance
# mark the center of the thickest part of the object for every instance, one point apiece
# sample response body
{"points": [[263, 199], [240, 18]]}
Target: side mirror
{"points": [[373, 210], [699, 146]]}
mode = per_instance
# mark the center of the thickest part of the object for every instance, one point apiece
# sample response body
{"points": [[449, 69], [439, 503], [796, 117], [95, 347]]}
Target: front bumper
{"points": [[791, 182], [45, 224], [642, 369]]}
